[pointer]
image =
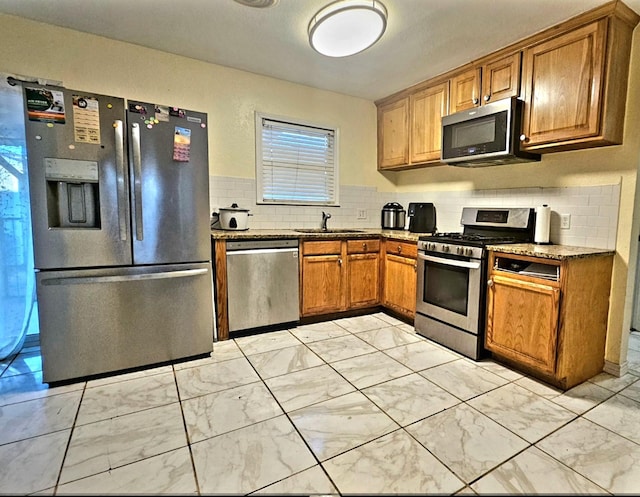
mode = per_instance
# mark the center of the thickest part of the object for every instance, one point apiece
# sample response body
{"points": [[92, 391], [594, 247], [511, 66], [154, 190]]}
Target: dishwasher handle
{"points": [[231, 253]]}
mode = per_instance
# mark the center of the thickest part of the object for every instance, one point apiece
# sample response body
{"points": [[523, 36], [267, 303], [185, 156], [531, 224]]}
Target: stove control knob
{"points": [[469, 252], [460, 251], [445, 248]]}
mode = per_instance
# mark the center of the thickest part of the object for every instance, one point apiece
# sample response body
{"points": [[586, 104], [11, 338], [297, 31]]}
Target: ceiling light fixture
{"points": [[347, 27], [260, 4]]}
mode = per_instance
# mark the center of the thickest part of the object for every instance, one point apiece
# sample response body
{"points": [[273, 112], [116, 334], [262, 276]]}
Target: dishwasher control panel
{"points": [[261, 244]]}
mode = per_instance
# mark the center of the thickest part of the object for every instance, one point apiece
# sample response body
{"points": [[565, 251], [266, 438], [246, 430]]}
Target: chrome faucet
{"points": [[325, 218]]}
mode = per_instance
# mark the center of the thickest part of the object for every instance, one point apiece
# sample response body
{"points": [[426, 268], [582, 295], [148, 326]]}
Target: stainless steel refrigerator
{"points": [[120, 213]]}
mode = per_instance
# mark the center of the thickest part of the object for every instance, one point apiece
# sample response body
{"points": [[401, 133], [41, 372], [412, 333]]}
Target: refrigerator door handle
{"points": [[84, 280], [137, 179], [121, 195]]}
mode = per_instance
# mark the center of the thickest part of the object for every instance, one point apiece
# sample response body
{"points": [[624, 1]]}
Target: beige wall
{"points": [[230, 97]]}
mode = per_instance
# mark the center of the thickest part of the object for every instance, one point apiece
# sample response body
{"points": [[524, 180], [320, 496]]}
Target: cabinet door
{"points": [[399, 284], [563, 80], [501, 79], [427, 108], [465, 90], [322, 290], [393, 134], [363, 280], [522, 322]]}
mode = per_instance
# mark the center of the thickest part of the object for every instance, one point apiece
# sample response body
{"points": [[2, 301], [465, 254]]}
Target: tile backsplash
{"points": [[593, 210]]}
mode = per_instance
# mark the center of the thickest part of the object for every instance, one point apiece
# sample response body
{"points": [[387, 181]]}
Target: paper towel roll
{"points": [[543, 220]]}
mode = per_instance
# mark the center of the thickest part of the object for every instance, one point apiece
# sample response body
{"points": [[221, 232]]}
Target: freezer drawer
{"points": [[105, 320]]}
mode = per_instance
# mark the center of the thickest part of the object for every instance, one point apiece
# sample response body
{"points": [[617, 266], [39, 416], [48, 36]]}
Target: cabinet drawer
{"points": [[405, 249], [322, 247], [363, 246], [526, 268]]}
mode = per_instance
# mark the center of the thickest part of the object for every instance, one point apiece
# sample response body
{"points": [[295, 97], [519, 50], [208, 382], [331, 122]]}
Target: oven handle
{"points": [[450, 262]]}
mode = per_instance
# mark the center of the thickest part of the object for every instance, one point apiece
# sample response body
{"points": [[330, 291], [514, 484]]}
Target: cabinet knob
{"points": [[524, 138], [364, 246], [487, 98], [340, 262], [490, 283], [475, 101], [399, 248]]}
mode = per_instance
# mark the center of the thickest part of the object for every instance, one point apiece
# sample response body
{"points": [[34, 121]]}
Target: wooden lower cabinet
{"points": [[339, 275], [322, 277], [363, 273], [523, 321], [399, 277], [553, 329]]}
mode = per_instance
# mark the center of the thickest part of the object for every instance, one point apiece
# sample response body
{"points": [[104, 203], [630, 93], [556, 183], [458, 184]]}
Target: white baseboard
{"points": [[618, 370]]}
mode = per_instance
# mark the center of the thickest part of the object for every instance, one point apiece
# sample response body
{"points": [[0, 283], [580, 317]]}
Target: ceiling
{"points": [[424, 38]]}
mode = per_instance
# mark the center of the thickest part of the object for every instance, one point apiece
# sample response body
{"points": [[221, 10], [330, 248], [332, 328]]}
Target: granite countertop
{"points": [[260, 234], [557, 252]]}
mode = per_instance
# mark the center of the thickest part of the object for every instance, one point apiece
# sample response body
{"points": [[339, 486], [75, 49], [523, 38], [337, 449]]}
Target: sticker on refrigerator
{"points": [[86, 119], [137, 108], [181, 144], [45, 105], [176, 112], [162, 113]]}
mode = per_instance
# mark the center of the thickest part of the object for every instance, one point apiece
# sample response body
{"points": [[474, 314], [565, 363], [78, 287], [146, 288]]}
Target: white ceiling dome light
{"points": [[347, 27], [259, 4]]}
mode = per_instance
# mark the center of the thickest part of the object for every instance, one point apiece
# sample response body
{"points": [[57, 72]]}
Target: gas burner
{"points": [[468, 237]]}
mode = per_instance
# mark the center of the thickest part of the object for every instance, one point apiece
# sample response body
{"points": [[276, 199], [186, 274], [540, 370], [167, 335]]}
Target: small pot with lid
{"points": [[230, 218], [393, 216]]}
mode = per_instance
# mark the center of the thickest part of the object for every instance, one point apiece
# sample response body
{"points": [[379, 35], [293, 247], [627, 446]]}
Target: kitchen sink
{"points": [[320, 230]]}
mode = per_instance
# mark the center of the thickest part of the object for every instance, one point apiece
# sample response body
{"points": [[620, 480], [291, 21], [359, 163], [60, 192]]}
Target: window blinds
{"points": [[297, 163]]}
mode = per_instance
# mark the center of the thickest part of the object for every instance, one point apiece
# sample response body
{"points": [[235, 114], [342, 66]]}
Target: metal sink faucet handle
{"points": [[325, 218]]}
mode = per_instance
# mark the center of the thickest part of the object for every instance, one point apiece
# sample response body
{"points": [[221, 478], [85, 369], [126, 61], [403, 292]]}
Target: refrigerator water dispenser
{"points": [[73, 199]]}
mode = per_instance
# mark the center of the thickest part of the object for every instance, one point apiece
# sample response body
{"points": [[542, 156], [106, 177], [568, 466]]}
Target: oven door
{"points": [[449, 289]]}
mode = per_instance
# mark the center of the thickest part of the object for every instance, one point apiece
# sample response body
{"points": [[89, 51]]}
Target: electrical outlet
{"points": [[362, 214], [565, 221]]}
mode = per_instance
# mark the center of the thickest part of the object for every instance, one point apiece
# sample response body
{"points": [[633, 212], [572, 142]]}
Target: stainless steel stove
{"points": [[452, 275]]}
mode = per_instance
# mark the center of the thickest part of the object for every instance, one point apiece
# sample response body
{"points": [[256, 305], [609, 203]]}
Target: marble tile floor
{"points": [[359, 405]]}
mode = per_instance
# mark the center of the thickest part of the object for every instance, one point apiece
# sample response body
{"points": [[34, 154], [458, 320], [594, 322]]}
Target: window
{"points": [[296, 163]]}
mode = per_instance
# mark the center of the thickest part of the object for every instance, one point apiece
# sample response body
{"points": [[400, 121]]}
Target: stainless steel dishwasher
{"points": [[262, 283]]}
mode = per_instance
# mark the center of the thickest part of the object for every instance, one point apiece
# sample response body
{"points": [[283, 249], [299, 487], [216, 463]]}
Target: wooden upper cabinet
{"points": [[393, 134], [427, 107], [564, 78], [575, 85], [572, 78], [486, 82], [465, 90], [501, 78]]}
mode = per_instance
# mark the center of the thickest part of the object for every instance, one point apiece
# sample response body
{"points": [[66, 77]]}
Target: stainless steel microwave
{"points": [[485, 136]]}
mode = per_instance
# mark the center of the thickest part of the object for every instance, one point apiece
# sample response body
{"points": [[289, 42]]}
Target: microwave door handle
{"points": [[450, 262]]}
